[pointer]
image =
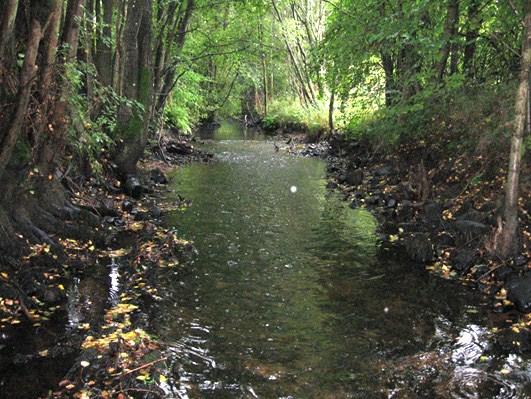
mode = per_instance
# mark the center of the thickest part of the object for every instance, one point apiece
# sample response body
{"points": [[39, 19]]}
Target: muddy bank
{"points": [[441, 210]]}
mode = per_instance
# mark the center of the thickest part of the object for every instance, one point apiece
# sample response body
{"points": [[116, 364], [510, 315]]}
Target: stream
{"points": [[291, 294]]}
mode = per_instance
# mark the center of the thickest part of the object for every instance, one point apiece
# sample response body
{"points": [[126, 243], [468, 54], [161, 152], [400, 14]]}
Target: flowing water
{"points": [[291, 294]]}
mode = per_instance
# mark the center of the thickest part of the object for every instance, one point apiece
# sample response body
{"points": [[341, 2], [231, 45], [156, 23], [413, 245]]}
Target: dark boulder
{"points": [[519, 292], [464, 260], [158, 176], [433, 212], [133, 187], [419, 247], [354, 177], [127, 206]]}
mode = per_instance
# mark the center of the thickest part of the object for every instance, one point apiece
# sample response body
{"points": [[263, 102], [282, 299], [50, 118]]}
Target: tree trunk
{"points": [[7, 22], [132, 122], [390, 83], [27, 74], [51, 38], [71, 28], [471, 37], [450, 31], [103, 56], [509, 237], [331, 106]]}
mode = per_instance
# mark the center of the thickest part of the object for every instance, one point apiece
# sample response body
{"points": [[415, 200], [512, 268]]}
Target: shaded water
{"points": [[292, 296]]}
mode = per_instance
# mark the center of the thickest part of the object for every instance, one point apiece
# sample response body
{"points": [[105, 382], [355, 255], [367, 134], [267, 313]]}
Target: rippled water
{"points": [[292, 296]]}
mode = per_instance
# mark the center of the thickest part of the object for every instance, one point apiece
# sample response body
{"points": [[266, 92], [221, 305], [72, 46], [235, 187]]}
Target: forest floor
{"points": [[112, 355]]}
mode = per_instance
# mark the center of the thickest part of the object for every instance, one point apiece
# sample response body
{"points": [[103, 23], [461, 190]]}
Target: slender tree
{"points": [[509, 238]]}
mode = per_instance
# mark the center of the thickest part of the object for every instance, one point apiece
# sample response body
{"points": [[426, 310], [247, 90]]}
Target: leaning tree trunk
{"points": [[508, 245]]}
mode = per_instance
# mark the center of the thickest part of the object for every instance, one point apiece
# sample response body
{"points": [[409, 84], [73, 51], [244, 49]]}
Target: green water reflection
{"points": [[290, 293]]}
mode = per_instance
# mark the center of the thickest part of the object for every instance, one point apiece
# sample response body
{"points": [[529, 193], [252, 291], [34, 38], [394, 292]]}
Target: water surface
{"points": [[292, 296]]}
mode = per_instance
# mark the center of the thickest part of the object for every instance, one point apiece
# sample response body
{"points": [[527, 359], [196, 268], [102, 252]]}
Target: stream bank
{"points": [[442, 210]]}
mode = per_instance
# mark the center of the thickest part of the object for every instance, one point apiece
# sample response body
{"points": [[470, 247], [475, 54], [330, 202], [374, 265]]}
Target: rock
{"points": [[52, 295], [464, 260], [156, 212], [519, 292], [341, 179], [520, 261], [354, 177], [391, 202], [445, 240], [469, 229], [133, 187], [474, 216], [433, 212], [373, 200], [383, 171], [127, 206], [419, 247], [503, 273], [405, 211], [331, 185], [179, 148], [158, 177]]}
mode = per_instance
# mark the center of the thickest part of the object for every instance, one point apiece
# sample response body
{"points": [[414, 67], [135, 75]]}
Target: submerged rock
{"points": [[419, 247]]}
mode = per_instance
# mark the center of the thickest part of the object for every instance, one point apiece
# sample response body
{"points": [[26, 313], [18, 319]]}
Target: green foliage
{"points": [[187, 105], [90, 137], [289, 113], [472, 117]]}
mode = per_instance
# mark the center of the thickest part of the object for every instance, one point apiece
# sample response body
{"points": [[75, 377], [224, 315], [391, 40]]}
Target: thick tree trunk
{"points": [[132, 122], [103, 55], [7, 22], [508, 245], [71, 28], [29, 68], [51, 40]]}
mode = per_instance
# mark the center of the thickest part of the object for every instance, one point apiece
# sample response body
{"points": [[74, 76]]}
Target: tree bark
{"points": [[508, 245], [7, 23], [103, 56], [450, 31], [51, 38], [471, 37], [132, 123], [71, 28], [29, 68]]}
